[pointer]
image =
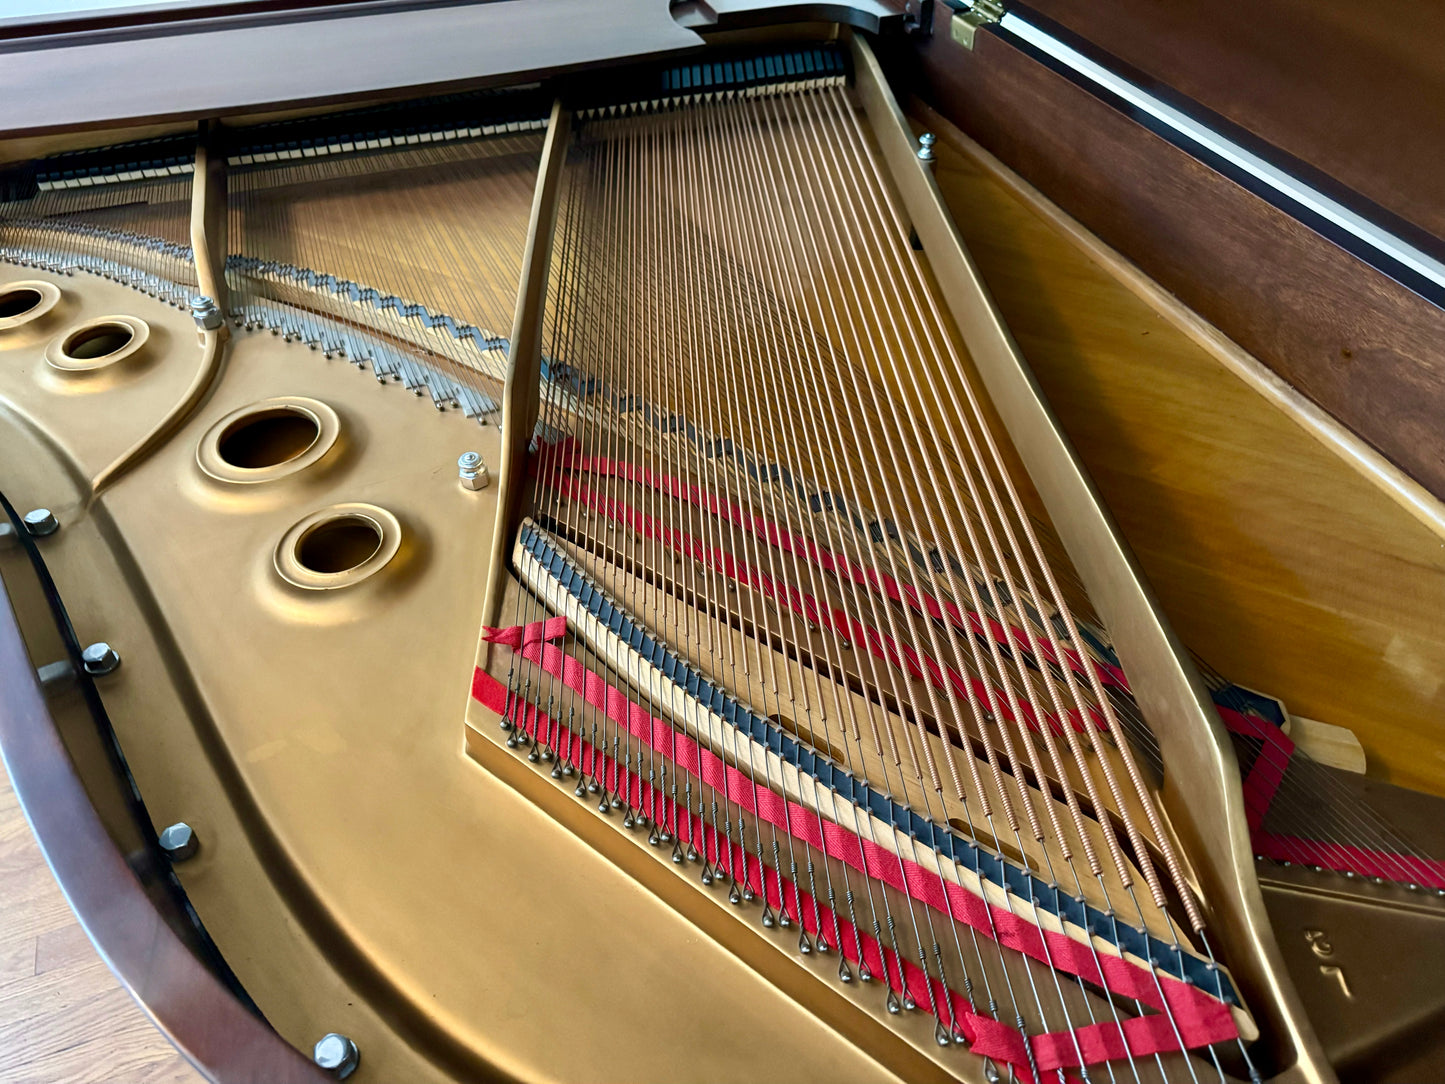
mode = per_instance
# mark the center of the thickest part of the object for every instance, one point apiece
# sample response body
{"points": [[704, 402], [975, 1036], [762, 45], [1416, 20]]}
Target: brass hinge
{"points": [[966, 23]]}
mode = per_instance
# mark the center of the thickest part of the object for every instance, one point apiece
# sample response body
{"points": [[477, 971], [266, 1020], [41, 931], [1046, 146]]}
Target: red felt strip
{"points": [[1264, 778], [565, 455], [1365, 861], [883, 646], [1201, 1019], [1141, 1036]]}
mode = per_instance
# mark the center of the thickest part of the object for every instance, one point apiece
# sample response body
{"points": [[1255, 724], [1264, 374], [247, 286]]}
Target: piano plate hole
{"points": [[19, 300], [338, 545], [96, 344], [267, 438], [97, 341], [25, 302]]}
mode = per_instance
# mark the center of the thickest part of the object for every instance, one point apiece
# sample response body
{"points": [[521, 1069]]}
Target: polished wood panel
{"points": [[1360, 345], [1358, 93], [63, 1015], [1279, 564]]}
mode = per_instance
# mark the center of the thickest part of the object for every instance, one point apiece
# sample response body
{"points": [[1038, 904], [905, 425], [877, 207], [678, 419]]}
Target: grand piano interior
{"points": [[859, 540]]}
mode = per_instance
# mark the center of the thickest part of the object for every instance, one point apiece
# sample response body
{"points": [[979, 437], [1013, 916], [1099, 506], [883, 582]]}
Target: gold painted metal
{"points": [[208, 247], [61, 353], [452, 910], [291, 560], [421, 903], [46, 294], [524, 359], [1201, 791], [212, 460]]}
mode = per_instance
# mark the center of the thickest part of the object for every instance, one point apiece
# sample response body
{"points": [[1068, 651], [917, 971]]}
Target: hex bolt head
{"points": [[179, 842], [925, 147], [337, 1055], [99, 658], [41, 522], [205, 313], [472, 471]]}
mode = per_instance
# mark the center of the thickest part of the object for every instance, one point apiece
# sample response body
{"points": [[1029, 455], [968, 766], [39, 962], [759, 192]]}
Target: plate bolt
{"points": [[337, 1055], [925, 148], [179, 842], [99, 658], [205, 313], [472, 471], [41, 522]]}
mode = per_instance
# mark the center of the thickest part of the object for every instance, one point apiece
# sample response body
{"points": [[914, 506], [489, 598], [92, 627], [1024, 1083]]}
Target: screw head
{"points": [[179, 842], [41, 522], [99, 658], [337, 1055], [469, 460]]}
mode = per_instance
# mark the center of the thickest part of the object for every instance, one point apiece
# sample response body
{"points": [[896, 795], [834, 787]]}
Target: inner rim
{"points": [[338, 545], [99, 341], [268, 438], [18, 302]]}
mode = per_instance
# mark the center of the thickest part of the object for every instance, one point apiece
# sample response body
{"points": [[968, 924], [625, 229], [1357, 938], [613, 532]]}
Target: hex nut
{"points": [[472, 472], [205, 313], [99, 658], [336, 1054], [179, 842], [41, 522]]}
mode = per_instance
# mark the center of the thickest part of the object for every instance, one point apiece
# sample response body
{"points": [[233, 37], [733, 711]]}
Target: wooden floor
{"points": [[64, 1018]]}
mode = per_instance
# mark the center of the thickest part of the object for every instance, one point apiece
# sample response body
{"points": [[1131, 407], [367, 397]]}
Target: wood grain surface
{"points": [[1362, 346], [1361, 97], [1278, 563], [64, 1018]]}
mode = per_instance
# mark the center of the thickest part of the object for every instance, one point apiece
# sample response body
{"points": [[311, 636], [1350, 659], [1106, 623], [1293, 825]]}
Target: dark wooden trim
{"points": [[1362, 346], [315, 57], [1357, 91], [215, 1032]]}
